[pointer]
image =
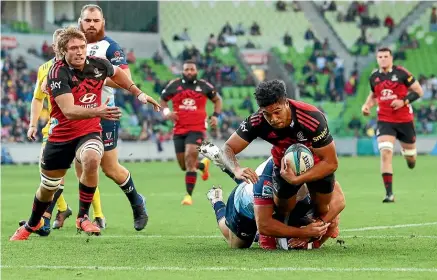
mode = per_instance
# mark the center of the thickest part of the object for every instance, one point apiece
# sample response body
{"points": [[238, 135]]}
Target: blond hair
{"points": [[65, 36]]}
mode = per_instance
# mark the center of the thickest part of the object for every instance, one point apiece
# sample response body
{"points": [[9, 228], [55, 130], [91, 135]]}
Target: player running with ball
{"points": [[283, 122], [393, 89]]}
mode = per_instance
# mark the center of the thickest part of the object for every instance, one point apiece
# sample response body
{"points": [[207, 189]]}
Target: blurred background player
{"points": [[393, 89], [189, 96]]}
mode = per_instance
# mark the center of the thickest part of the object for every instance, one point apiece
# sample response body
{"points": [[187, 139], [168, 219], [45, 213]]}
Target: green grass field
{"points": [[183, 242]]}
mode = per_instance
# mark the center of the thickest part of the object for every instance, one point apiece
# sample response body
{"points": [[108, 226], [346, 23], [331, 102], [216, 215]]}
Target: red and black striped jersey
{"points": [[308, 127], [189, 103], [85, 86], [390, 86]]}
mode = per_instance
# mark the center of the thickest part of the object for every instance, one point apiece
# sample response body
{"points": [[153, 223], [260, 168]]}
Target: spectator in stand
{"points": [[281, 6], [355, 126], [45, 50], [288, 41], [183, 36], [130, 57], [296, 6], [389, 23], [433, 20], [247, 105], [255, 29], [309, 35], [350, 88], [157, 58], [249, 45], [227, 28], [240, 30]]}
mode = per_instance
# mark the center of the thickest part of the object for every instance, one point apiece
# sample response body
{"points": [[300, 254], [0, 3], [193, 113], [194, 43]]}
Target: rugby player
{"points": [[250, 207], [39, 95], [283, 122], [92, 23], [189, 96], [75, 130], [393, 89]]}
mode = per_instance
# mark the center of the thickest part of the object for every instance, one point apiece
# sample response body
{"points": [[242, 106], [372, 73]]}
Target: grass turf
{"points": [[183, 242]]}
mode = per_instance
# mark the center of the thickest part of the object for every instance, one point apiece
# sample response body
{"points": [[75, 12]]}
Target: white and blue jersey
{"points": [[110, 50], [246, 194], [240, 214]]}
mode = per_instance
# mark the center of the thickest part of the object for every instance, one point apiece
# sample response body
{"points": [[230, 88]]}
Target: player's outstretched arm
{"points": [[370, 102], [74, 112], [268, 226], [218, 103], [233, 146], [123, 80], [111, 83]]}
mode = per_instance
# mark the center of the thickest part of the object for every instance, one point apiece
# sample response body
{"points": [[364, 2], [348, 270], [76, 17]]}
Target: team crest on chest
{"points": [[394, 78]]}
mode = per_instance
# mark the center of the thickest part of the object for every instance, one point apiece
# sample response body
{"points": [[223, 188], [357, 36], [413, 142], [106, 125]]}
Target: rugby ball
{"points": [[299, 158]]}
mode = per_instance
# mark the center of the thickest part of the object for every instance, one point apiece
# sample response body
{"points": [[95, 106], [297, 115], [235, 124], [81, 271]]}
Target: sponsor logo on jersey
{"points": [[267, 191], [88, 98], [198, 89], [410, 79], [394, 78], [321, 135], [179, 88], [95, 47], [55, 85], [188, 104], [387, 94]]}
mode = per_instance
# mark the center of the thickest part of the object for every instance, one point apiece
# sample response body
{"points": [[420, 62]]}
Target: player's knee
{"points": [[91, 155], [409, 153], [385, 147], [50, 184]]}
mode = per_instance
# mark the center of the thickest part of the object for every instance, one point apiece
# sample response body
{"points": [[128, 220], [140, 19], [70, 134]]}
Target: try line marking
{"points": [[341, 230], [221, 268]]}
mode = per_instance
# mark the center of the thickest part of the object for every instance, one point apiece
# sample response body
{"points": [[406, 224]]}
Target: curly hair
{"points": [[270, 92], [66, 35]]}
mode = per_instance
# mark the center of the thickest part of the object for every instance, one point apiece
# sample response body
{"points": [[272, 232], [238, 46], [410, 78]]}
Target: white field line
{"points": [[388, 227], [221, 268]]}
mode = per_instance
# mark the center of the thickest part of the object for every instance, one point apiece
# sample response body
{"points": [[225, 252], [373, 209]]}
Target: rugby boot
{"points": [[140, 214], [24, 231]]}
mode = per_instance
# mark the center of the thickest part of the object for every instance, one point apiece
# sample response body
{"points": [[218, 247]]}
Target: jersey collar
{"points": [[184, 82], [389, 70]]}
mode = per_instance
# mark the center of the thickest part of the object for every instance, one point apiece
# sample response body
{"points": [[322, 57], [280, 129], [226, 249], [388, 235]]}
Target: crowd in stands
{"points": [[17, 83]]}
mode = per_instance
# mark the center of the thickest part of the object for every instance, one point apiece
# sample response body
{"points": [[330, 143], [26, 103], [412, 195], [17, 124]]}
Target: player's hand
{"points": [[246, 174], [288, 174], [31, 133], [213, 121], [316, 229], [298, 243], [108, 113], [144, 98], [169, 115], [365, 110], [397, 104]]}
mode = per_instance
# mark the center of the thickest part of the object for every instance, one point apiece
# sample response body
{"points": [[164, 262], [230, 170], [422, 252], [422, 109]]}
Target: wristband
{"points": [[142, 97], [411, 97], [166, 111], [215, 114]]}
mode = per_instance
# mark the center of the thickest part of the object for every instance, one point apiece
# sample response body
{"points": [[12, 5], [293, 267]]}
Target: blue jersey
{"points": [[261, 193], [110, 50]]}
